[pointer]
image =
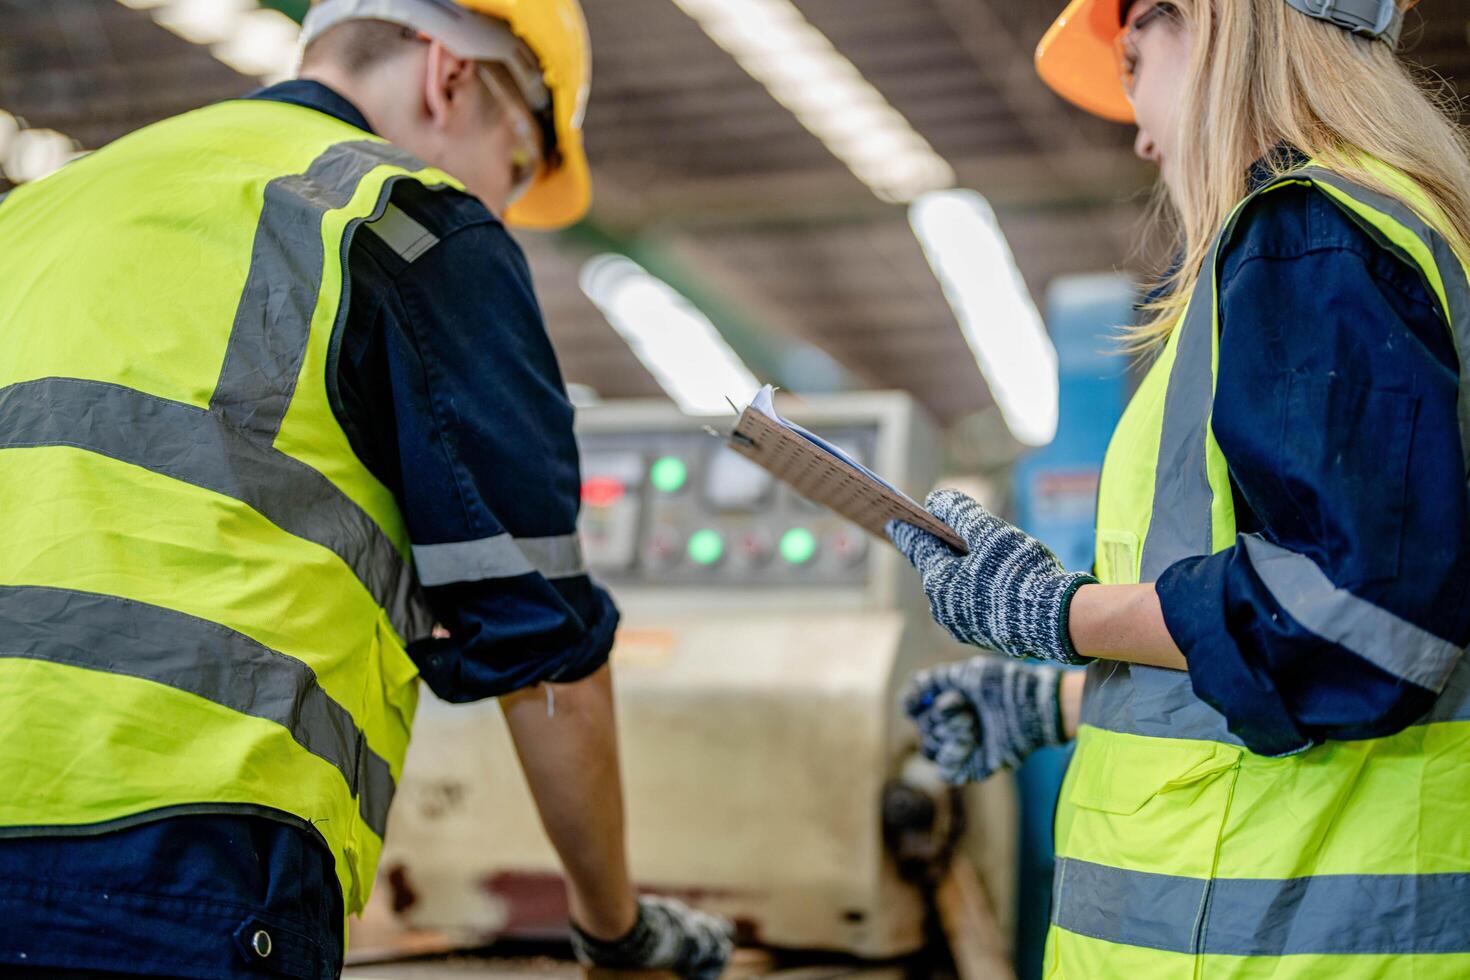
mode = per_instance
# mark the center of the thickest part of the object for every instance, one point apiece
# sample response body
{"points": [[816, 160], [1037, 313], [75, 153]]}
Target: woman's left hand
{"points": [[1009, 593]]}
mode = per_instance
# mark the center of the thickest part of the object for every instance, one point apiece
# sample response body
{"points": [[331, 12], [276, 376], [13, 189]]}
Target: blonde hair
{"points": [[1263, 74]]}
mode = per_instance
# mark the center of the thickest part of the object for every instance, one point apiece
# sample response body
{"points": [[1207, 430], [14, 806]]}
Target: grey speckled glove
{"points": [[984, 714], [1009, 593], [668, 935]]}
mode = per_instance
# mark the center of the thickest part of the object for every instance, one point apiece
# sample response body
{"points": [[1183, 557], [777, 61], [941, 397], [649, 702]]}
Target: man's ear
{"points": [[446, 80]]}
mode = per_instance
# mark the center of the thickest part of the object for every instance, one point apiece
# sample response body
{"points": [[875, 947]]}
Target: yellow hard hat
{"points": [[1078, 58], [552, 32], [556, 32]]}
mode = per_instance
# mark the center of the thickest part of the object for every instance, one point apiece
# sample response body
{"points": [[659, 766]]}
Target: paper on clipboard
{"points": [[824, 474]]}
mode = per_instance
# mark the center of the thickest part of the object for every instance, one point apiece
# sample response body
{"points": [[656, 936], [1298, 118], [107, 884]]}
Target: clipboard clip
{"points": [[739, 438]]}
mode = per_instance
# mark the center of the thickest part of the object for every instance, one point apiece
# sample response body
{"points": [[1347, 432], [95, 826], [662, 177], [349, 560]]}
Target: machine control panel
{"points": [[677, 508]]}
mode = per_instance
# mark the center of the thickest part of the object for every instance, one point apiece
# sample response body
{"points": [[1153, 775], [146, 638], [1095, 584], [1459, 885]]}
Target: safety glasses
{"points": [[1126, 43], [526, 157]]}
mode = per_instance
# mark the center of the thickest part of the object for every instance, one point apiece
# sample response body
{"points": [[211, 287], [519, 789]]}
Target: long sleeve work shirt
{"points": [[1335, 408]]}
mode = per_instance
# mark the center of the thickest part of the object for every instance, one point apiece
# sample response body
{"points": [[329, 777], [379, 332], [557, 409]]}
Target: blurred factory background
{"points": [[835, 196]]}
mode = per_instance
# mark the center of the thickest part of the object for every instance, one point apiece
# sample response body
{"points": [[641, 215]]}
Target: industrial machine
{"points": [[758, 669]]}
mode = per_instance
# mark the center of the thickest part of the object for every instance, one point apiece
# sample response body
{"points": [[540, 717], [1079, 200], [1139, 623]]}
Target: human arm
{"points": [[568, 751], [478, 432], [1122, 622]]}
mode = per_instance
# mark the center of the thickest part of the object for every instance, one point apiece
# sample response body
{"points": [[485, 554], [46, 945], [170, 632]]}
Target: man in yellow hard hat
{"points": [[276, 401]]}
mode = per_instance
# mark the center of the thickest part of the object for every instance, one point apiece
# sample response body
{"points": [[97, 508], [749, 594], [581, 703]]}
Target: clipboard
{"points": [[825, 475]]}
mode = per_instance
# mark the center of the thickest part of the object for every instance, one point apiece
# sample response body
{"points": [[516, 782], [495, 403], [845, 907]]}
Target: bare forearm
{"points": [[1069, 692], [570, 758], [1123, 622]]}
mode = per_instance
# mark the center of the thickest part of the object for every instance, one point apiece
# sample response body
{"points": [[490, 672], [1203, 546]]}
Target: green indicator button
{"points": [[706, 547], [798, 545], [669, 474]]}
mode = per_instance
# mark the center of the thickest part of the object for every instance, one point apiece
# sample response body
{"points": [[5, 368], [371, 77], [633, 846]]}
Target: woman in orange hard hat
{"points": [[1273, 745]]}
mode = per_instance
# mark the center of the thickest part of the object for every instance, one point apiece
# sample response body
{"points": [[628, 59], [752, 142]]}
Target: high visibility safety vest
{"points": [[1179, 852], [204, 593]]}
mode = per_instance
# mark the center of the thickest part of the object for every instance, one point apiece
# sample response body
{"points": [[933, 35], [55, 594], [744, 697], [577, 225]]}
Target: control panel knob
{"points": [[665, 546], [755, 547], [850, 545]]}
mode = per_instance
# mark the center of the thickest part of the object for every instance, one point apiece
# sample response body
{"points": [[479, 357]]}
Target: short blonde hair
{"points": [[357, 46]]}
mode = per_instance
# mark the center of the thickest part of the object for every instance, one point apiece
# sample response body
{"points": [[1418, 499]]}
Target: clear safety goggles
{"points": [[1125, 45], [526, 158]]}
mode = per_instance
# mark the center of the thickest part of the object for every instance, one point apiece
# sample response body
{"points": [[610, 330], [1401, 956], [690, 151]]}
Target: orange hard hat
{"points": [[1078, 58]]}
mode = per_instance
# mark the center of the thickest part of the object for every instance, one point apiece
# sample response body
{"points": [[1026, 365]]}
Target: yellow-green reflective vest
{"points": [[1179, 852], [204, 594]]}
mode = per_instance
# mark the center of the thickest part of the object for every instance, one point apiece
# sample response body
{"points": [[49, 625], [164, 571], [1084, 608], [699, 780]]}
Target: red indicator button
{"points": [[602, 491]]}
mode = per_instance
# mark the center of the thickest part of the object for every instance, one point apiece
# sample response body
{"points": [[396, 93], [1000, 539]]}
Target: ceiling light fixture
{"points": [[775, 43], [677, 343], [29, 154], [252, 39], [973, 263]]}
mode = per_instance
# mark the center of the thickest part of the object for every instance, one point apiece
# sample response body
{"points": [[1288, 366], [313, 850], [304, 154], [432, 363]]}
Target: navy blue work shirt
{"points": [[447, 387], [1335, 408]]}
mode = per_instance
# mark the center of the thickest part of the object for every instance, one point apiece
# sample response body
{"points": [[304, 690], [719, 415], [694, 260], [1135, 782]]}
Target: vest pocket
{"points": [[1148, 804], [398, 673], [1117, 557]]}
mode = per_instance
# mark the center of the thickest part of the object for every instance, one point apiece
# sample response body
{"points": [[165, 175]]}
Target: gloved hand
{"points": [[668, 935], [984, 714], [1009, 593]]}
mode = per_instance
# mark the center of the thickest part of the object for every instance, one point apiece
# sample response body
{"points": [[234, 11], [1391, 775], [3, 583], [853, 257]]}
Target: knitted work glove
{"points": [[1009, 593], [984, 714], [668, 935]]}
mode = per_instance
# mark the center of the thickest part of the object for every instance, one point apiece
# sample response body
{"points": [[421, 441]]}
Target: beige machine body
{"points": [[758, 669]]}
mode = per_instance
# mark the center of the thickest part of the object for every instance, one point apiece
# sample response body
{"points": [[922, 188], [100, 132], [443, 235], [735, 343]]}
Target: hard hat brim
{"points": [[1077, 59], [559, 197]]}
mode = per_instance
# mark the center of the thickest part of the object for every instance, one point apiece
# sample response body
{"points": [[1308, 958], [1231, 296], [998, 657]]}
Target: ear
{"points": [[447, 79]]}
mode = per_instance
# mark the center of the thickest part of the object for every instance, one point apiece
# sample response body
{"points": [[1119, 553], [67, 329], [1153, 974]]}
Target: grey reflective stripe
{"points": [[1337, 616], [1453, 703], [1323, 915], [1179, 525], [1149, 700], [273, 319], [555, 557], [498, 556], [120, 636], [1451, 274], [403, 234], [200, 448], [1139, 700]]}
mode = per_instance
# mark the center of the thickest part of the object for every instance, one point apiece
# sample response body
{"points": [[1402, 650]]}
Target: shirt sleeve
{"points": [[489, 480], [1341, 609]]}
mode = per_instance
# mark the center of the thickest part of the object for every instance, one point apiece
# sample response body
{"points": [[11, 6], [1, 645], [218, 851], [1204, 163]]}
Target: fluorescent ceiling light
{"points": [[252, 39], [677, 343], [30, 154], [202, 21], [972, 261], [263, 44], [775, 43]]}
